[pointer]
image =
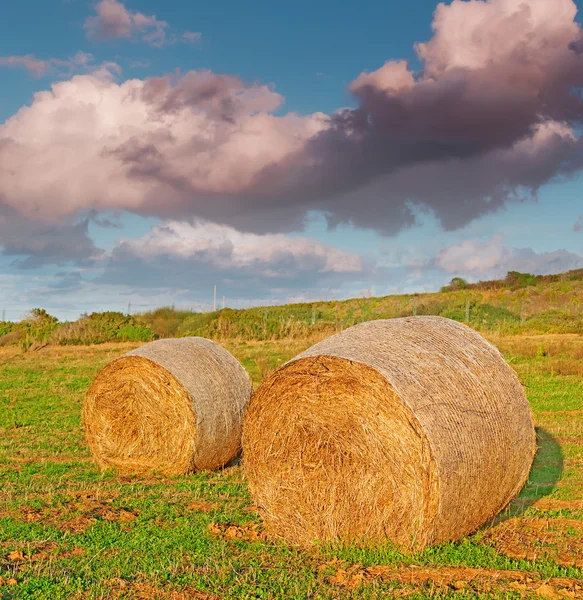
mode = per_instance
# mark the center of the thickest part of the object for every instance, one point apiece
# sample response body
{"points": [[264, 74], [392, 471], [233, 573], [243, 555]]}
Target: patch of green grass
{"points": [[91, 534]]}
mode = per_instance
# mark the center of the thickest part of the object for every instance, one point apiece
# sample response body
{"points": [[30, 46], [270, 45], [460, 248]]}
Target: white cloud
{"points": [[493, 259], [269, 255]]}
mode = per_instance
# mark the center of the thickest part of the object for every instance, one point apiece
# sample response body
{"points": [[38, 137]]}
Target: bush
{"points": [[457, 283], [99, 328]]}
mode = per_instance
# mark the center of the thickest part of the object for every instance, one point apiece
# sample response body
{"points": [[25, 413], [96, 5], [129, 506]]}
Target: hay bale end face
{"points": [[413, 430], [173, 406]]}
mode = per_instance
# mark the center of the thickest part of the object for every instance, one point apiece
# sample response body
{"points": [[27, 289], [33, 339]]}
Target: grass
{"points": [[68, 530]]}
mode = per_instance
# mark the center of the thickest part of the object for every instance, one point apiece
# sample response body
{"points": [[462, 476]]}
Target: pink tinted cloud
{"points": [[40, 67], [80, 62], [195, 141], [492, 258], [471, 255], [192, 37], [496, 75], [114, 20], [489, 119], [34, 66]]}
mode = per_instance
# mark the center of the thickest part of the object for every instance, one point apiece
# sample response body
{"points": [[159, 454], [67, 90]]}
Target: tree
{"points": [[457, 283]]}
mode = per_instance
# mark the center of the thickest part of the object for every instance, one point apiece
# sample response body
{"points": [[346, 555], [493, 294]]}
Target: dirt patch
{"points": [[42, 551], [81, 511], [560, 540], [552, 504], [202, 506], [457, 578], [250, 532]]}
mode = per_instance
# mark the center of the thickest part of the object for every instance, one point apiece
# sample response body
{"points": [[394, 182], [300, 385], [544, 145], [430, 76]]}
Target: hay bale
{"points": [[413, 429], [172, 405]]}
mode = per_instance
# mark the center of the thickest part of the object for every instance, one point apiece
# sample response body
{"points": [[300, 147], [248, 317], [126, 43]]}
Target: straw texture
{"points": [[413, 429], [173, 405]]}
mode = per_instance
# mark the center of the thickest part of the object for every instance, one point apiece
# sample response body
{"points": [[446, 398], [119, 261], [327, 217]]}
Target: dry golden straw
{"points": [[173, 406], [413, 430]]}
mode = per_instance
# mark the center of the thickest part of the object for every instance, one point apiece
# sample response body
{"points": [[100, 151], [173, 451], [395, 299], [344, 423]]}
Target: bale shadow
{"points": [[546, 471]]}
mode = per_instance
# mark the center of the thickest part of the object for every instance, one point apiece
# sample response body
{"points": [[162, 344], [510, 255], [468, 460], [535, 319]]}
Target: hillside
{"points": [[520, 303]]}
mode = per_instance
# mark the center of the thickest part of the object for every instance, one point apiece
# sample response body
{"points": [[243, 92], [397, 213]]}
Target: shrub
{"points": [[99, 328]]}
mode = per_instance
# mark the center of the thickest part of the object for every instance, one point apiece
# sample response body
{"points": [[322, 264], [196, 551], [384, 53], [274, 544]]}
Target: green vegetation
{"points": [[519, 304], [69, 531], [39, 329]]}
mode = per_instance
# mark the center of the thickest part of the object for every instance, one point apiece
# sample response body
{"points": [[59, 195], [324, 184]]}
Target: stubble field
{"points": [[68, 530]]}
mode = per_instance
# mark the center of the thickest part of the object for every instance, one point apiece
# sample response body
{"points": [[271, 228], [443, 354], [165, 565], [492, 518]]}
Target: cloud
{"points": [[224, 249], [192, 37], [35, 244], [114, 20], [579, 224], [496, 76], [192, 257], [491, 259], [41, 67], [139, 64], [194, 140], [491, 117]]}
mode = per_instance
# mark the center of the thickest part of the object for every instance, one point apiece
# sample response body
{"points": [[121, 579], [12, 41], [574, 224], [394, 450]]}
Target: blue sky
{"points": [[90, 238]]}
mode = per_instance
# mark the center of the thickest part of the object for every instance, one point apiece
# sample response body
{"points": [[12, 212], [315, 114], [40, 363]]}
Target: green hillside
{"points": [[519, 304]]}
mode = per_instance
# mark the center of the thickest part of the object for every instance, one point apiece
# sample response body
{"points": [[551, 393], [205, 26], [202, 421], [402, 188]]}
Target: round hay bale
{"points": [[173, 406], [413, 430]]}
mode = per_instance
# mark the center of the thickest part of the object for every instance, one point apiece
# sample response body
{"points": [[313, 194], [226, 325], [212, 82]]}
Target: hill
{"points": [[519, 303]]}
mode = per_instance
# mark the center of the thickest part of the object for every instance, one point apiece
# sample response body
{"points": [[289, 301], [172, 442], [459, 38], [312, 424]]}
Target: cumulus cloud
{"points": [[114, 20], [39, 67], [492, 116], [493, 259], [498, 76], [579, 224], [165, 146]]}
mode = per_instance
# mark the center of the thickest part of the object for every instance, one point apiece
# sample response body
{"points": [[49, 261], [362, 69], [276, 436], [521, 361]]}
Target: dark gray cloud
{"points": [[35, 244]]}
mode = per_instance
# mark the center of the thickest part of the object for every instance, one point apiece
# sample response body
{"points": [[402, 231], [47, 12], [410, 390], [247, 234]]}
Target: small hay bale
{"points": [[173, 406], [413, 430]]}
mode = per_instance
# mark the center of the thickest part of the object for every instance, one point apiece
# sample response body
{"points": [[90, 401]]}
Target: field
{"points": [[69, 531]]}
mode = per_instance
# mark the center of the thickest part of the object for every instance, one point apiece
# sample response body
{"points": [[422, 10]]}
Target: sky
{"points": [[283, 152]]}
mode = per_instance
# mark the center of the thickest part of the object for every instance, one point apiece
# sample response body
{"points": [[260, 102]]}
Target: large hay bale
{"points": [[412, 429], [173, 405]]}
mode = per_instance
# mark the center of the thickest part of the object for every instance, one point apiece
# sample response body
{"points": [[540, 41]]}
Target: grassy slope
{"points": [[67, 530], [547, 307]]}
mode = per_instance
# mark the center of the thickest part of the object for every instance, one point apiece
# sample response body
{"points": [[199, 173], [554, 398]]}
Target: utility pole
{"points": [[215, 299], [468, 310], [223, 303], [129, 308]]}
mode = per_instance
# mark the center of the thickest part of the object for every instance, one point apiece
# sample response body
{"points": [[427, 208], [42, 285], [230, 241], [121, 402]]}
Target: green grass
{"points": [[84, 533]]}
